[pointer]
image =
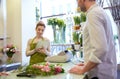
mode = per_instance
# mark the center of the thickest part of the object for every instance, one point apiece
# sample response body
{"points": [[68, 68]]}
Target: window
{"points": [[57, 9]]}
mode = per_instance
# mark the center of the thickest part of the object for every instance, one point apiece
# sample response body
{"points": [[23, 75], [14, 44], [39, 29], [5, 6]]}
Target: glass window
{"points": [[56, 9]]}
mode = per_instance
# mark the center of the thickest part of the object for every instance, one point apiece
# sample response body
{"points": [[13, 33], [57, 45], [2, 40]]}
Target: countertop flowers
{"points": [[44, 69]]}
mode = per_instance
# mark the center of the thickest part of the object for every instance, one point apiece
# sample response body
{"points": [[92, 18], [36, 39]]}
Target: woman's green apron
{"points": [[37, 57]]}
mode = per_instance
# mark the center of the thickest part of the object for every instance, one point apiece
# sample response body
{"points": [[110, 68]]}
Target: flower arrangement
{"points": [[44, 69], [58, 26], [9, 49]]}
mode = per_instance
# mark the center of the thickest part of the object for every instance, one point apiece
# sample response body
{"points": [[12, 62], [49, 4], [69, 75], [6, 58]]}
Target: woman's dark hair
{"points": [[40, 23]]}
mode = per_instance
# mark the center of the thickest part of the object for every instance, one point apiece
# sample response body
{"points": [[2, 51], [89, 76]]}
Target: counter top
{"points": [[66, 75]]}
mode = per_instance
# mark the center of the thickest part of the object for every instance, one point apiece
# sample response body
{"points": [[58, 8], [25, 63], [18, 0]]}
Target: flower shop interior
{"points": [[18, 20]]}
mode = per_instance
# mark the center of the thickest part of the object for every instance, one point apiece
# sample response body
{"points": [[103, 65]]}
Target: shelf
{"points": [[10, 67], [2, 38]]}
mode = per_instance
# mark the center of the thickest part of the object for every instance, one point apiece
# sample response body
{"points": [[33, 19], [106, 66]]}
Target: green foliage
{"points": [[60, 23], [52, 21], [83, 17], [76, 37], [80, 18], [56, 21], [77, 20]]}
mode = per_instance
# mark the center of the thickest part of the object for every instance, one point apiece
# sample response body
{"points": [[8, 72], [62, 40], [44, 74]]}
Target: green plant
{"points": [[56, 21], [61, 28], [77, 20], [60, 23], [76, 37], [82, 17], [52, 21]]}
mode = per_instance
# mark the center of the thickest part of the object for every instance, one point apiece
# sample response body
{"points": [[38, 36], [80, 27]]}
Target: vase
{"points": [[9, 60], [10, 54], [59, 34]]}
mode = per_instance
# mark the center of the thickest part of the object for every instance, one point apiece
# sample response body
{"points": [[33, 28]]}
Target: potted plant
{"points": [[82, 17], [78, 19]]}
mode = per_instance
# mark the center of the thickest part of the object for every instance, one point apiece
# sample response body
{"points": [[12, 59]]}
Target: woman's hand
{"points": [[41, 50]]}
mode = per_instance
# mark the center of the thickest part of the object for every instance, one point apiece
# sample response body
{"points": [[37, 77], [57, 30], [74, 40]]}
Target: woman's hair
{"points": [[40, 23]]}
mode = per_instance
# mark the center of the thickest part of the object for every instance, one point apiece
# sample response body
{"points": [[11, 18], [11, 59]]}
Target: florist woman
{"points": [[38, 47]]}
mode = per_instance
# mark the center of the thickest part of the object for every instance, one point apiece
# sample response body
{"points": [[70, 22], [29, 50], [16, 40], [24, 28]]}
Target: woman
{"points": [[38, 47]]}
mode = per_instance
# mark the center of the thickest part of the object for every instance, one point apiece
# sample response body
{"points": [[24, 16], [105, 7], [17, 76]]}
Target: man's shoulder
{"points": [[96, 12], [97, 9]]}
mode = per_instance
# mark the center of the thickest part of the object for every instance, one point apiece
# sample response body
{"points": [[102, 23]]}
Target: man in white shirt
{"points": [[98, 44]]}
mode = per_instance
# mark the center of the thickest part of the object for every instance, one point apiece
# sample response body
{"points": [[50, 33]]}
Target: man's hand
{"points": [[81, 64], [82, 68], [77, 70]]}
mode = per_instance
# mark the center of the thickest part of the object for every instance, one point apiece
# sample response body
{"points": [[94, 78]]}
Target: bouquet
{"points": [[44, 69], [10, 49]]}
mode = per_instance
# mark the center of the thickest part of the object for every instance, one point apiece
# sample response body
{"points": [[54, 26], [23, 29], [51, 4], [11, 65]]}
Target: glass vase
{"points": [[9, 60]]}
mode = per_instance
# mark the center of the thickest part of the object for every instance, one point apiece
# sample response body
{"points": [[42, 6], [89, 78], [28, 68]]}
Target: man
{"points": [[98, 44]]}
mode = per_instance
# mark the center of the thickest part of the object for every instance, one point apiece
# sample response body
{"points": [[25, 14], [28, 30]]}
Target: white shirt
{"points": [[98, 44]]}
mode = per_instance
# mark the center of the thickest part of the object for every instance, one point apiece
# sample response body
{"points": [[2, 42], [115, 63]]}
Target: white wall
{"points": [[28, 25], [20, 25]]}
